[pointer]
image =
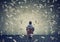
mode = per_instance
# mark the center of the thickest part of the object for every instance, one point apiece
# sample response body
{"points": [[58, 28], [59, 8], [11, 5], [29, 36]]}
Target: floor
{"points": [[23, 38]]}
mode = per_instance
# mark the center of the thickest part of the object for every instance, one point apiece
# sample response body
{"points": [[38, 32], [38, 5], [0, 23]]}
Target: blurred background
{"points": [[16, 14]]}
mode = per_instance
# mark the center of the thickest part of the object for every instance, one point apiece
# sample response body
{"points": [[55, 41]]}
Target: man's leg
{"points": [[30, 36]]}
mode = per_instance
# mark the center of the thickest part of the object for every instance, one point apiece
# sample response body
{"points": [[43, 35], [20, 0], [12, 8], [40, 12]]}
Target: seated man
{"points": [[30, 30]]}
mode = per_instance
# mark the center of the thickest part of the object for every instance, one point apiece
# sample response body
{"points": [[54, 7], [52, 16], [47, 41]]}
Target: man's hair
{"points": [[30, 22]]}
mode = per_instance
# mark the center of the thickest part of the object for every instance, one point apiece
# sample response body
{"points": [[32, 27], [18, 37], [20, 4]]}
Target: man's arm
{"points": [[33, 28]]}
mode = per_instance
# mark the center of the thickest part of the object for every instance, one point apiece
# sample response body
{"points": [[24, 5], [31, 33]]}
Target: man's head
{"points": [[30, 22]]}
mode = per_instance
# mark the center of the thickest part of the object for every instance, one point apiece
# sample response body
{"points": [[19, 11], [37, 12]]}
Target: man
{"points": [[30, 30]]}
